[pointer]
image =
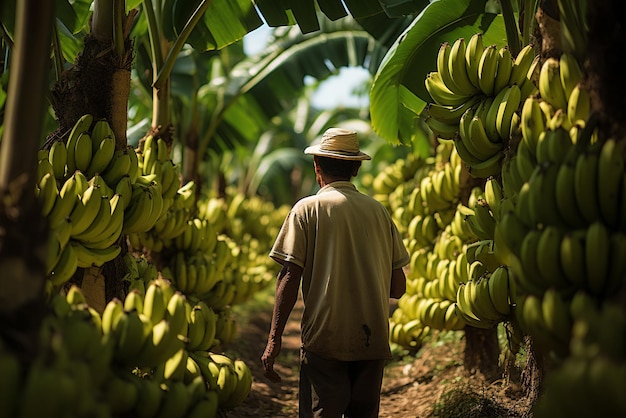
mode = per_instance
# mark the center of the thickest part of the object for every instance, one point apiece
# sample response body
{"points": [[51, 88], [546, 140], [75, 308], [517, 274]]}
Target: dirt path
{"points": [[433, 383]]}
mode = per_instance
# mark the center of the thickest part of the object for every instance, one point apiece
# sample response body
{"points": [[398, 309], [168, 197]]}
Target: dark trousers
{"points": [[336, 389]]}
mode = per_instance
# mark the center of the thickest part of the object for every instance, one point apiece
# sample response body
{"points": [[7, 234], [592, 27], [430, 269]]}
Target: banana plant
{"points": [[398, 94]]}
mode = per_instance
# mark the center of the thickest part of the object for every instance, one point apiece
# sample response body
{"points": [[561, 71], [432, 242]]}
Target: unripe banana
{"points": [[58, 158], [82, 152], [550, 86]]}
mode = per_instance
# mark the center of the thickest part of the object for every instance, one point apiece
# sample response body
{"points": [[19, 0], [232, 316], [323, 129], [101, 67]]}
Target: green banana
{"points": [[499, 290], [65, 202], [82, 125], [65, 266], [523, 65], [85, 210], [458, 68], [441, 129], [102, 157], [572, 259], [566, 196], [550, 86], [443, 67], [58, 158], [570, 73], [439, 93], [487, 70], [82, 152], [132, 330], [579, 106], [111, 314], [154, 306], [479, 142], [473, 52], [548, 254], [597, 253], [196, 328], [109, 235], [118, 167], [491, 117], [555, 312], [609, 180], [451, 115], [99, 131], [506, 109], [586, 183], [138, 210], [88, 257], [505, 67], [47, 192], [99, 224]]}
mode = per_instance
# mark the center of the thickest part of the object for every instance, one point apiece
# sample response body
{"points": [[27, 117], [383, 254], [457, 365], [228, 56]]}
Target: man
{"points": [[346, 250]]}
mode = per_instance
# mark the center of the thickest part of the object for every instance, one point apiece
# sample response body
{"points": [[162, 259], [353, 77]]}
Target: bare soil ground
{"points": [[430, 383]]}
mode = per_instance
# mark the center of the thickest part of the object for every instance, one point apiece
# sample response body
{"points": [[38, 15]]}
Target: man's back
{"points": [[347, 253]]}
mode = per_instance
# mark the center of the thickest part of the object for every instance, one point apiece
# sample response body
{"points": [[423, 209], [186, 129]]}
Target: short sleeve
{"points": [[290, 244], [401, 256]]}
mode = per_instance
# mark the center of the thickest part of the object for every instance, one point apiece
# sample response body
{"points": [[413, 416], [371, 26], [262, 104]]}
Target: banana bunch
{"points": [[231, 379], [214, 210], [407, 334], [482, 257], [477, 92], [596, 365], [86, 229], [202, 327], [146, 205], [169, 225], [226, 327], [199, 235], [250, 270], [487, 300], [482, 222], [222, 294], [139, 272], [148, 329], [459, 227], [547, 319], [68, 368], [448, 246], [394, 174], [422, 230], [440, 189], [199, 273], [193, 274], [558, 77], [167, 399], [438, 314], [154, 158]]}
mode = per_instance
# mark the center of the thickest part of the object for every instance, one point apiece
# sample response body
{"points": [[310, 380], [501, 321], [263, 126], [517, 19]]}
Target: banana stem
{"points": [[510, 25]]}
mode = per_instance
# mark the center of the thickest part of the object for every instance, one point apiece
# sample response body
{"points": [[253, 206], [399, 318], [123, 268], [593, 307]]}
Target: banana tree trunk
{"points": [[23, 231], [99, 82]]}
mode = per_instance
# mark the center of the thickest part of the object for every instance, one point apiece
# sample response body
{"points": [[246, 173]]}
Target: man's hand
{"points": [[271, 352]]}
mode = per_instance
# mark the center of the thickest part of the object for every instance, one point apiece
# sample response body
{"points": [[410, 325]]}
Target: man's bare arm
{"points": [[398, 283], [287, 287]]}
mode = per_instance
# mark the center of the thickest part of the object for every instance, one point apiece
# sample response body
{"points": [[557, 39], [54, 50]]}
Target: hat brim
{"points": [[315, 150]]}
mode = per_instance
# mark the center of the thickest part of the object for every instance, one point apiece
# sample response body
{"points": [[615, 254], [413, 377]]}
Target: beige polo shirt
{"points": [[347, 245]]}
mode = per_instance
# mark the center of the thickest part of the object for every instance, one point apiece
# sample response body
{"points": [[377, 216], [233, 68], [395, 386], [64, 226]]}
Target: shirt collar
{"points": [[337, 185]]}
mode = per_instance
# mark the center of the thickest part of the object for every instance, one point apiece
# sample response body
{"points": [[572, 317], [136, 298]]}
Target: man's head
{"points": [[337, 156], [340, 144]]}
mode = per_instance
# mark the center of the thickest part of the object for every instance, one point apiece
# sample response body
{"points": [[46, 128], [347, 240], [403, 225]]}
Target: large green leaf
{"points": [[398, 94]]}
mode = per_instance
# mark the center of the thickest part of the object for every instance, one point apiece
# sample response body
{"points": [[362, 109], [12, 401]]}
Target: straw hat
{"points": [[338, 143]]}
